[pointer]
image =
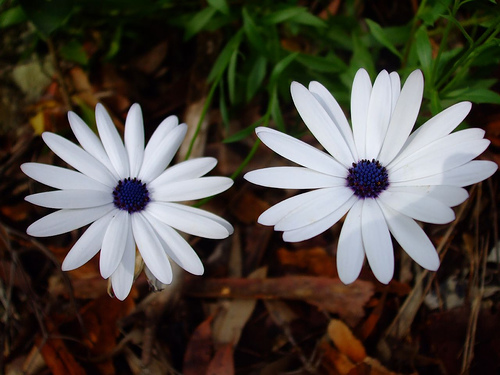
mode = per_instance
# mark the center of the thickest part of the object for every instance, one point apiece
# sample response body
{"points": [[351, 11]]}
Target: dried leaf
{"points": [[325, 293], [315, 260], [58, 358], [199, 349], [222, 363], [345, 341]]}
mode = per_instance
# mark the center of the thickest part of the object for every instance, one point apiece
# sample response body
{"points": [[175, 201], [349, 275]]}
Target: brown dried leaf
{"points": [[315, 260], [325, 293], [58, 358], [345, 341], [223, 362], [199, 349]]}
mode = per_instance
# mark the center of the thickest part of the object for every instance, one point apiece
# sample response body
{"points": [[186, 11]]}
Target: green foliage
{"points": [[265, 44]]}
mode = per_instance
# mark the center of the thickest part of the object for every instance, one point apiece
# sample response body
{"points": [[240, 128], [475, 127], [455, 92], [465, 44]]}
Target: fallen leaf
{"points": [[223, 362], [199, 349], [325, 293], [316, 261], [345, 341]]}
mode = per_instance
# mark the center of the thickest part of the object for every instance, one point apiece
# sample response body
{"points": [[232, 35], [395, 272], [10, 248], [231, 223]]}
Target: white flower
{"points": [[129, 196], [380, 175]]}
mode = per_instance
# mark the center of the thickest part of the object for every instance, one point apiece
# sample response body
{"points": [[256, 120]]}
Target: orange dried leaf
{"points": [[315, 260], [223, 362], [345, 341]]}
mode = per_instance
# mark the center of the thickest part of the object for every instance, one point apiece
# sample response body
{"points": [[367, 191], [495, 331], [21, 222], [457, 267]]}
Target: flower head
{"points": [[380, 175], [131, 199]]}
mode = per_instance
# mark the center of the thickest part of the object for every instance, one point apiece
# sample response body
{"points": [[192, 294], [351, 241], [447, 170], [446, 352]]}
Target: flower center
{"points": [[130, 195], [367, 178]]}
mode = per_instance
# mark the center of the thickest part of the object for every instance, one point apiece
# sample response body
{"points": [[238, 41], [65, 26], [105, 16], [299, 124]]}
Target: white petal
{"points": [[90, 142], [188, 220], [320, 124], [112, 142], [395, 89], [151, 249], [324, 203], [123, 277], [360, 99], [165, 127], [63, 221], [197, 211], [300, 152], [274, 214], [79, 159], [350, 250], [157, 159], [113, 244], [71, 198], [328, 102], [311, 230], [412, 238], [88, 244], [177, 247], [191, 189], [419, 207], [134, 138], [445, 154], [61, 178], [185, 170], [465, 175], [404, 117], [447, 194], [293, 178], [435, 128], [379, 114], [377, 241]]}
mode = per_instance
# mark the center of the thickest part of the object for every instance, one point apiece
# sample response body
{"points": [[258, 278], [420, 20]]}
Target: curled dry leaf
{"points": [[345, 341]]}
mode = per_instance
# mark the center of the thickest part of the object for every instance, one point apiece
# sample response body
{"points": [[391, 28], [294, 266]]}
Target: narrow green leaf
{"points": [[223, 107], [12, 16], [379, 34], [252, 32], [284, 14], [256, 77], [475, 95], [198, 22], [328, 64], [231, 76], [220, 5], [276, 111], [244, 132], [281, 65], [424, 52], [223, 60], [306, 18]]}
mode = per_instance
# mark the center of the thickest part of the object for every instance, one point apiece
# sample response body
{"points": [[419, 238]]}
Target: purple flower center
{"points": [[130, 195], [367, 178]]}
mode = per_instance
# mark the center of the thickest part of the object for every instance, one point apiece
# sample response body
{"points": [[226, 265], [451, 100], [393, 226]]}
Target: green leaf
{"points": [[431, 13], [73, 51], [276, 111], [12, 17], [281, 65], [256, 77], [379, 34], [223, 107], [284, 14], [424, 51], [225, 55], [475, 95], [220, 5], [47, 15], [198, 22], [115, 44], [252, 32], [328, 64], [361, 57], [306, 18], [244, 132], [231, 76]]}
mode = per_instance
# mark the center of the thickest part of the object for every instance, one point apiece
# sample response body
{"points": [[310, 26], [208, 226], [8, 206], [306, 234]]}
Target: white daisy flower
{"points": [[380, 175], [129, 196]]}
